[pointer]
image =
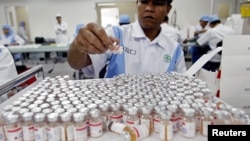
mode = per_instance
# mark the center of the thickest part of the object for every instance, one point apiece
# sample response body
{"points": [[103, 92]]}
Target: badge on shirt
{"points": [[167, 58]]}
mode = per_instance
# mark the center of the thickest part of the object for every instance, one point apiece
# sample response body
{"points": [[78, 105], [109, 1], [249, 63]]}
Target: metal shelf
{"points": [[6, 87]]}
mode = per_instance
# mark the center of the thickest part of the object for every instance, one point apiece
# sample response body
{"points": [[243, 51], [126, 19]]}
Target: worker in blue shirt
{"points": [[200, 29], [124, 19], [9, 39], [145, 48]]}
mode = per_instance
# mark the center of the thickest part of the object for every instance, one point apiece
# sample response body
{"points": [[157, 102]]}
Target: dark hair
{"points": [[170, 1], [215, 22], [166, 19]]}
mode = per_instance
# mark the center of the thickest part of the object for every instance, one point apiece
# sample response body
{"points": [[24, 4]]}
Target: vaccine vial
{"points": [[13, 128], [95, 124], [227, 117], [67, 128], [166, 132], [133, 119], [207, 119], [40, 127], [197, 115], [80, 127], [115, 115], [219, 118], [125, 108], [156, 119], [53, 129], [2, 134], [116, 127], [135, 133], [28, 127], [104, 109], [146, 118], [188, 123], [175, 119], [237, 116]]}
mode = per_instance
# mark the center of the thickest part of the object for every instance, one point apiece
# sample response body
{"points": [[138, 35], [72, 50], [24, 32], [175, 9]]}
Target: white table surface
{"points": [[108, 136], [38, 48]]}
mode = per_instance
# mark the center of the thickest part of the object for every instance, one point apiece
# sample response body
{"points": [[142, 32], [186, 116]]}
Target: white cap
{"points": [[58, 15]]}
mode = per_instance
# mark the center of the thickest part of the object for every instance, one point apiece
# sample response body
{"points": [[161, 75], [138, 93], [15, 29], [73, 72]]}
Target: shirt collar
{"points": [[137, 30], [161, 40]]}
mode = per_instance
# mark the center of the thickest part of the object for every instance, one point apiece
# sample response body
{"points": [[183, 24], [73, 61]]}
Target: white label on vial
{"points": [[198, 123], [141, 131], [166, 132], [80, 133], [132, 123], [28, 133], [95, 129], [116, 118], [205, 127], [54, 134], [188, 129], [14, 134], [117, 127], [70, 133], [180, 122], [156, 124], [146, 122], [40, 134], [176, 123], [67, 134], [2, 136], [63, 134], [124, 118], [104, 122]]}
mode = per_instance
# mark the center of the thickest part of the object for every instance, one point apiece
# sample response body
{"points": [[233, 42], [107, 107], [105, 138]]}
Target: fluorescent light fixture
{"points": [[106, 4]]}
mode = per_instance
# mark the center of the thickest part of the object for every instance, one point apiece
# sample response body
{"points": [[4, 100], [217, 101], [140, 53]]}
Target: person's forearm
{"points": [[76, 59], [196, 33]]}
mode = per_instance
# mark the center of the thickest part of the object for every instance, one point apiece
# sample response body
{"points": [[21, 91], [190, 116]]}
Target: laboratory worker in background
{"points": [[22, 31], [61, 30], [171, 31], [202, 27], [145, 48], [9, 38], [213, 37]]}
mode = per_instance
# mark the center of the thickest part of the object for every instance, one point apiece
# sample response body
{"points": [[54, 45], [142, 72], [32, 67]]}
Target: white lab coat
{"points": [[7, 68], [172, 32], [7, 65], [213, 36], [23, 33], [199, 28], [11, 39], [61, 33]]}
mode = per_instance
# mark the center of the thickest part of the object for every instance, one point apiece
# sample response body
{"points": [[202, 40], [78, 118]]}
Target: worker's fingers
{"points": [[87, 42], [94, 41], [93, 50], [100, 33], [87, 48]]}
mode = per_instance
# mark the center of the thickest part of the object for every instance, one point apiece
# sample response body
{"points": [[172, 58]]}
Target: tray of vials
{"points": [[131, 107]]}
